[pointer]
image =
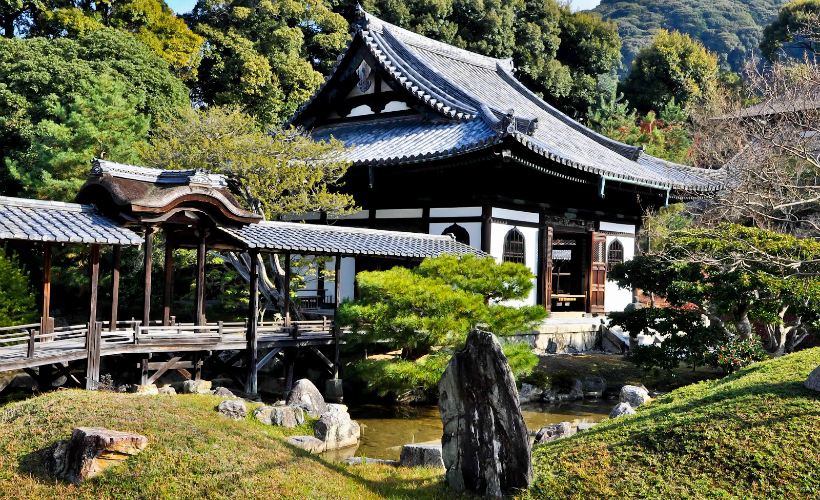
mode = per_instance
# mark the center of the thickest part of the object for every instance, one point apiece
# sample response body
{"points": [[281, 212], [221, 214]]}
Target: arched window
{"points": [[614, 255], [461, 235], [514, 247]]}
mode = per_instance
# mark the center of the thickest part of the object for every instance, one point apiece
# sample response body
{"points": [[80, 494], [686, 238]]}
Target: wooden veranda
{"points": [[195, 210]]}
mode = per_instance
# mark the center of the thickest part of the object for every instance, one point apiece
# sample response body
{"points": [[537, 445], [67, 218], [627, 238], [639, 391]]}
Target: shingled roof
{"points": [[481, 104], [56, 222], [324, 239]]}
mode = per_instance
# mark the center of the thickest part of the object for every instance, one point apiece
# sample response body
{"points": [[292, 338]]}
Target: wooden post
{"points": [[286, 291], [44, 322], [289, 370], [92, 376], [253, 317], [486, 226], [337, 299], [115, 285], [147, 263], [169, 279], [199, 318]]}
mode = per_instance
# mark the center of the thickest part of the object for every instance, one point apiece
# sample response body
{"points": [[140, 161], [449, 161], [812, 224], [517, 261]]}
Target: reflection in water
{"points": [[385, 429]]}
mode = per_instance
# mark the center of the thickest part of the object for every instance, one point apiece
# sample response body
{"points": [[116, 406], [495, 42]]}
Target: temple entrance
{"points": [[569, 257]]}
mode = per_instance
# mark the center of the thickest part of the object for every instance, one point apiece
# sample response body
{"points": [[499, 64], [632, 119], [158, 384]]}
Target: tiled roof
{"points": [[324, 239], [56, 222], [475, 94]]}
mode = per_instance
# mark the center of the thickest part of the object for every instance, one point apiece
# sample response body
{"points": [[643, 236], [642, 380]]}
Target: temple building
{"points": [[448, 141]]}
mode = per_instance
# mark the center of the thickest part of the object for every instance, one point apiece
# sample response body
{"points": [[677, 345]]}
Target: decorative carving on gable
{"points": [[363, 73], [566, 222]]}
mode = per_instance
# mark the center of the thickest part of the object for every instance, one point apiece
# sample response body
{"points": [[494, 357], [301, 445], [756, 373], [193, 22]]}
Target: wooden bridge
{"points": [[128, 205]]}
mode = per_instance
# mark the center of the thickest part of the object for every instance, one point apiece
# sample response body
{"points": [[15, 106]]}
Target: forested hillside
{"points": [[730, 28]]}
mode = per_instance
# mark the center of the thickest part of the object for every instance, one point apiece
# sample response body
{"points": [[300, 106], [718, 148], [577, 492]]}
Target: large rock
{"points": [[621, 409], [552, 432], [594, 385], [307, 443], [585, 426], [167, 391], [196, 387], [234, 409], [305, 395], [634, 395], [284, 416], [485, 445], [529, 393], [336, 430], [224, 392], [813, 382], [146, 390], [90, 451], [421, 455]]}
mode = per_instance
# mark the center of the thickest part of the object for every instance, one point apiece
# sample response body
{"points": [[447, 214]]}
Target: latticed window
{"points": [[514, 247], [461, 235], [615, 254]]}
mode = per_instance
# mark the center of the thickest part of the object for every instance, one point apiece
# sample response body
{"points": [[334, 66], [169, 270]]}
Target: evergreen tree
{"points": [[795, 30], [17, 301]]}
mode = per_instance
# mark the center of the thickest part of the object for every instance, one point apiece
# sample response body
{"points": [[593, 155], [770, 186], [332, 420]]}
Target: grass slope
{"points": [[193, 452], [750, 435]]}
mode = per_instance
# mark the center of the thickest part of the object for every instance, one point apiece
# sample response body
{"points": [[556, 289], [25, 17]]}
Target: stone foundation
{"points": [[562, 338]]}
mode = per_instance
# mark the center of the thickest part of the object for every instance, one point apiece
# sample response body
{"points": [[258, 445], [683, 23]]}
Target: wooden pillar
{"points": [[147, 264], [169, 280], [45, 321], [199, 315], [286, 291], [94, 331], [116, 262], [486, 226], [253, 318], [337, 299]]}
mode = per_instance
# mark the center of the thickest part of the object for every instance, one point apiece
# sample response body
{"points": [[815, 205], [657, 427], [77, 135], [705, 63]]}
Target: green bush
{"points": [[563, 381], [17, 301], [737, 354], [538, 378]]}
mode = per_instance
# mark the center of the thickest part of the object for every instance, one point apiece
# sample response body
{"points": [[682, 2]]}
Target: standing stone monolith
{"points": [[485, 446]]}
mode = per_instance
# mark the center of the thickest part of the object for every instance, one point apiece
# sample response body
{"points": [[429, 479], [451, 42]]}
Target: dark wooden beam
{"points": [[337, 299], [268, 357], [147, 264], [253, 318], [164, 368], [44, 322], [199, 317], [116, 263], [169, 280], [94, 330], [286, 291], [486, 226]]}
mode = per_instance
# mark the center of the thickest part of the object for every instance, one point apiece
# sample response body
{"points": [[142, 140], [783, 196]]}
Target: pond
{"points": [[385, 429]]}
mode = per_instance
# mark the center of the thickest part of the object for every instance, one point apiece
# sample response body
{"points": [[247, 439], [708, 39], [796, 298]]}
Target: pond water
{"points": [[386, 428]]}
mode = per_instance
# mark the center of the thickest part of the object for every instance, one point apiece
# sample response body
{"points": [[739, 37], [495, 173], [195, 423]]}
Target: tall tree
{"points": [[40, 77], [266, 56], [794, 31], [150, 21], [673, 67]]}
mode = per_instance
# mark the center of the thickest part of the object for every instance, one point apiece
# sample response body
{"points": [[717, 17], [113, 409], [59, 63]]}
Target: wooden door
{"points": [[547, 271], [597, 273]]}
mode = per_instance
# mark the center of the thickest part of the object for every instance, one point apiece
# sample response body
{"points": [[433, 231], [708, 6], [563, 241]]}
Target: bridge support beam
{"points": [[147, 264], [199, 315], [92, 377], [116, 261], [169, 279], [251, 386]]}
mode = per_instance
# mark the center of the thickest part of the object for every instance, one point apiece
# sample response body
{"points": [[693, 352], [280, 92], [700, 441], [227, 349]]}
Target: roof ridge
{"points": [[156, 175], [10, 201], [349, 229], [371, 22]]}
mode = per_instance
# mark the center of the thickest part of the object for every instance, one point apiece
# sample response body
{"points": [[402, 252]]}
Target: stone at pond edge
{"points": [[529, 393], [90, 451], [485, 445], [368, 461], [634, 395], [621, 409], [196, 387], [167, 391], [233, 408], [813, 381], [552, 432], [585, 426], [305, 395], [421, 455], [307, 443], [224, 392], [146, 390], [284, 416], [336, 429]]}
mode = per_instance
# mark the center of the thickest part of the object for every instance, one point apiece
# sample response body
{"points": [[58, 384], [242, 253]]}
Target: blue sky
{"points": [[183, 6]]}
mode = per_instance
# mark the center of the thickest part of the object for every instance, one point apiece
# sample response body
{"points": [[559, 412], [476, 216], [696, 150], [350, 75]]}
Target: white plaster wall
{"points": [[473, 229], [616, 299], [400, 213], [456, 212], [348, 271], [497, 234], [504, 213]]}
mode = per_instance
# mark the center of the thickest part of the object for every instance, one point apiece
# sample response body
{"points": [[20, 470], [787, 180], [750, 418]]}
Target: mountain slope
{"points": [[731, 28]]}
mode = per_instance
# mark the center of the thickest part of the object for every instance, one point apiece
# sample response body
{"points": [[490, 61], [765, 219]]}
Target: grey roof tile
{"points": [[58, 222], [323, 239]]}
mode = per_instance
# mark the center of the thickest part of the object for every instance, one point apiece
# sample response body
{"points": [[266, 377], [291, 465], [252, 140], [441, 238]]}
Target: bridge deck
{"points": [[24, 347]]}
